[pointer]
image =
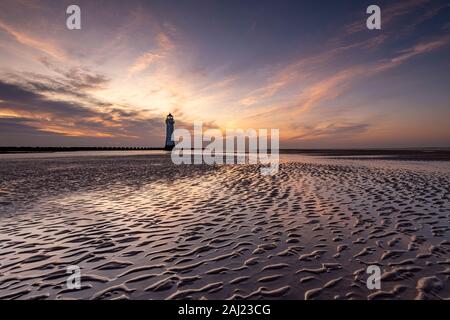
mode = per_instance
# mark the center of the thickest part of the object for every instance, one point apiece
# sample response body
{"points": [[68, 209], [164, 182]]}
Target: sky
{"points": [[311, 69]]}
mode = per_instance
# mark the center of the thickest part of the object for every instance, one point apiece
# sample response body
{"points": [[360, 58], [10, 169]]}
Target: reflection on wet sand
{"points": [[141, 228]]}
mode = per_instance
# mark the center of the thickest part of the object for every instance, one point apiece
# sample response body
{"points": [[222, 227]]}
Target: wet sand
{"points": [[140, 227]]}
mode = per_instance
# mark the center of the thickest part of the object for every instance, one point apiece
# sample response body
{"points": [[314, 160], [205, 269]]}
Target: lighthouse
{"points": [[169, 131]]}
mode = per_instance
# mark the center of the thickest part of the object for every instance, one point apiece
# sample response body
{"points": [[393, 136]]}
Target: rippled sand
{"points": [[142, 228]]}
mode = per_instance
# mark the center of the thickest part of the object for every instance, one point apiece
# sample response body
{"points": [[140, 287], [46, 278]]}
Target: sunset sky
{"points": [[309, 68]]}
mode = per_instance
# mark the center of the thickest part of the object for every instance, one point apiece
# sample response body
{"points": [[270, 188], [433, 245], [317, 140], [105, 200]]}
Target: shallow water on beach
{"points": [[140, 227]]}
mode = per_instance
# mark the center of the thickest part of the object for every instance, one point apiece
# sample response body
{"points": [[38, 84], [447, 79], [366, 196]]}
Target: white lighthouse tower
{"points": [[169, 131]]}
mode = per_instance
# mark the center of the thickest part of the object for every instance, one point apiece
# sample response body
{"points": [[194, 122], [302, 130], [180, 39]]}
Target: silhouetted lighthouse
{"points": [[169, 130]]}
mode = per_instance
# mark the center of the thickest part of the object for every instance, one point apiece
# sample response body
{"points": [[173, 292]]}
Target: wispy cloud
{"points": [[143, 62], [420, 48], [164, 46], [37, 44], [330, 129]]}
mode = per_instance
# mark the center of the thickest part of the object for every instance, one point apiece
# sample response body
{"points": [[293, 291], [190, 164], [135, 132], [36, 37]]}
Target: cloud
{"points": [[76, 83], [305, 68], [164, 42], [164, 47], [420, 48], [331, 86], [328, 88], [335, 129], [16, 125], [78, 77], [34, 43], [25, 108], [30, 114], [19, 99], [334, 85], [143, 62]]}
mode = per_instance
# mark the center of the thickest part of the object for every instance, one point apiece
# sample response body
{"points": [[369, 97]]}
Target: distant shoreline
{"points": [[73, 149], [424, 154], [427, 154]]}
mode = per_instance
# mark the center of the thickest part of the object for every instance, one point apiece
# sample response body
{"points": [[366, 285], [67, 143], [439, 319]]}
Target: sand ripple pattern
{"points": [[142, 228]]}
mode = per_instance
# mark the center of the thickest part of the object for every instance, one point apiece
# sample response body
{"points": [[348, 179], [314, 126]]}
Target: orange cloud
{"points": [[73, 132], [143, 62], [327, 89], [165, 45], [37, 44], [421, 48], [164, 42]]}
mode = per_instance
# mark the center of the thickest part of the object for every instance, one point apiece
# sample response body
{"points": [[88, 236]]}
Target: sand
{"points": [[140, 227]]}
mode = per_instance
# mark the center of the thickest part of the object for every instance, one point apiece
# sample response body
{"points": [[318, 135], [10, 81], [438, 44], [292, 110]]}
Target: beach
{"points": [[140, 227]]}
